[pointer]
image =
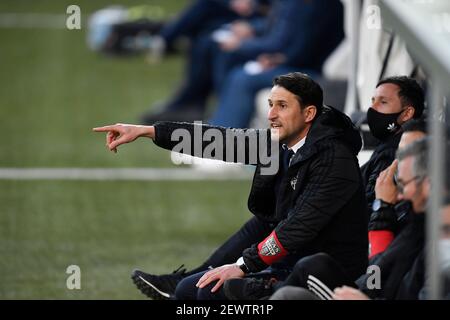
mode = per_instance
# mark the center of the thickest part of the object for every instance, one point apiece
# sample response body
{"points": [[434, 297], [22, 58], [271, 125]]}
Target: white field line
{"points": [[148, 174], [206, 171], [33, 20]]}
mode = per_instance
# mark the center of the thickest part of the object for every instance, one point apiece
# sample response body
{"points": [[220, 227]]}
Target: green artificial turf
{"points": [[53, 90], [107, 229]]}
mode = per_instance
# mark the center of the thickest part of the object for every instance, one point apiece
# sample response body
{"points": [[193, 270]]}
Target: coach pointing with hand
{"points": [[315, 200]]}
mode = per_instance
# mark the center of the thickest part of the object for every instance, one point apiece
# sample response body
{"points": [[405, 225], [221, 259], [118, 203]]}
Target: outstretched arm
{"points": [[248, 146], [121, 133]]}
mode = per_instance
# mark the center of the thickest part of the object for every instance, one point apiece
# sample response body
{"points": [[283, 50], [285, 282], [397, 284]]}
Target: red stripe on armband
{"points": [[270, 249], [379, 240]]}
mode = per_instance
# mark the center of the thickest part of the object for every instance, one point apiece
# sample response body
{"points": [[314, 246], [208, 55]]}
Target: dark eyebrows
{"points": [[381, 98], [277, 101]]}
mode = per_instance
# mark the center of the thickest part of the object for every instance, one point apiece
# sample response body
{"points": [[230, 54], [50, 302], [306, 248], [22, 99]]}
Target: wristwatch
{"points": [[379, 204], [241, 264]]}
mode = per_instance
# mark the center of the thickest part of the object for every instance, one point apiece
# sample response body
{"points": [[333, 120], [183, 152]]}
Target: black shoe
{"points": [[160, 287], [248, 288]]}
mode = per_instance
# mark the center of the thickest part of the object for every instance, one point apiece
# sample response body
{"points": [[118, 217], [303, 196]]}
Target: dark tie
{"points": [[287, 155]]}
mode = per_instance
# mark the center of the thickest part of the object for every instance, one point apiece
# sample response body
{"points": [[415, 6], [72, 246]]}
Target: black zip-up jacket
{"points": [[320, 204], [382, 157]]}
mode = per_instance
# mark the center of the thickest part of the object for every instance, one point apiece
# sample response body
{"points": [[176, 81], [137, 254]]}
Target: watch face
{"points": [[376, 204]]}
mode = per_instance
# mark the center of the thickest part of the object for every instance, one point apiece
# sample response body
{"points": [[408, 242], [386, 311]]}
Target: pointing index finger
{"points": [[103, 129]]}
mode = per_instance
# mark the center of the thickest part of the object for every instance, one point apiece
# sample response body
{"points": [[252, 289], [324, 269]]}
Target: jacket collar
{"points": [[331, 124]]}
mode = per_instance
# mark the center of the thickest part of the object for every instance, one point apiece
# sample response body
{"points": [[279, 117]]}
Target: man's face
{"points": [[414, 190], [386, 99], [286, 117]]}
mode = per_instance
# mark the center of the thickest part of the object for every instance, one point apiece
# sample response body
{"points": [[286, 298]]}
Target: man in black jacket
{"points": [[396, 101], [318, 205]]}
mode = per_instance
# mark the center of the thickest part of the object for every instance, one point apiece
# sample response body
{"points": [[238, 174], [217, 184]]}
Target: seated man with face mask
{"points": [[396, 101]]}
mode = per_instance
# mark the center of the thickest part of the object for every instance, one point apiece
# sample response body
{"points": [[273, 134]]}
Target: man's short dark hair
{"points": [[308, 91], [419, 150], [410, 92], [415, 125]]}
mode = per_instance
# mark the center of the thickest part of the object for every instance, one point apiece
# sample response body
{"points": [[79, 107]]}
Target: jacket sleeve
{"points": [[248, 146], [330, 184], [384, 160], [379, 241], [382, 227]]}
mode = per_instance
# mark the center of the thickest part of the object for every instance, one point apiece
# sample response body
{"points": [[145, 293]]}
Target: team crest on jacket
{"points": [[270, 247], [293, 182]]}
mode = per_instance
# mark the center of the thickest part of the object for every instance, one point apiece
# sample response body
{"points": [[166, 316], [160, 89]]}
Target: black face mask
{"points": [[382, 125]]}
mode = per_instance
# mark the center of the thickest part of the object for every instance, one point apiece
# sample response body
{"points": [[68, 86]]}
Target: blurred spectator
{"points": [[141, 28], [275, 42], [321, 29]]}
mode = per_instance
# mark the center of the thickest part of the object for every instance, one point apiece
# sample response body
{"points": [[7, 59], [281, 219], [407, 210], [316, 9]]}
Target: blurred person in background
{"points": [[141, 29], [314, 30], [238, 20], [296, 34]]}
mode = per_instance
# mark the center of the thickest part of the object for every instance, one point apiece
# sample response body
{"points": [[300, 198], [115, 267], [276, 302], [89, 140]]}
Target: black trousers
{"points": [[320, 274], [253, 231], [293, 293]]}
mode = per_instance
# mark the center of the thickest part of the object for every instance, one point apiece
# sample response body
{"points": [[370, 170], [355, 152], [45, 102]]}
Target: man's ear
{"points": [[407, 114], [310, 113]]}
